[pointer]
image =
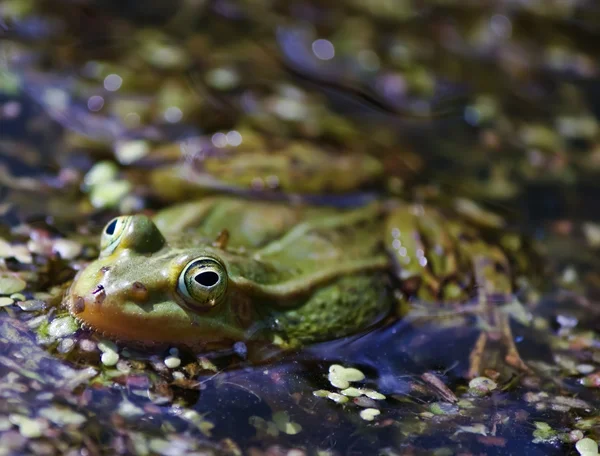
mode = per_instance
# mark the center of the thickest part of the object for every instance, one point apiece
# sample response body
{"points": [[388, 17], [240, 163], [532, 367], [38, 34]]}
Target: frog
{"points": [[220, 270], [251, 162], [300, 167], [207, 274]]}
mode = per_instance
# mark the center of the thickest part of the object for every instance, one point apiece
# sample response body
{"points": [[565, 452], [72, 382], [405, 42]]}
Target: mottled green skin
{"points": [[334, 311], [296, 167], [302, 274]]}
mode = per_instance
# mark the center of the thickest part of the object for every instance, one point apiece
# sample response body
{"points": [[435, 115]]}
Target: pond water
{"points": [[473, 125]]}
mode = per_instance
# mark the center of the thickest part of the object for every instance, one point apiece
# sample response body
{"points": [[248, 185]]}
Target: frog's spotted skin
{"points": [[298, 273], [298, 167], [221, 270]]}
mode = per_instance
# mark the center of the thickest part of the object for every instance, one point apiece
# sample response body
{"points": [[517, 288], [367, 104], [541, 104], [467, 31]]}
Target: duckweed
{"points": [[109, 358], [101, 173], [62, 327], [543, 433], [482, 386], [128, 152], [199, 421], [352, 392], [10, 284], [62, 416], [283, 423], [66, 248], [31, 305], [341, 377], [172, 362], [369, 414], [109, 194], [28, 427], [6, 301], [587, 447]]}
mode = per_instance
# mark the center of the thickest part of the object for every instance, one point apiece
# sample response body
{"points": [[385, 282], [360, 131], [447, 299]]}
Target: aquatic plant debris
{"points": [[127, 152], [482, 386], [591, 380], [480, 429], [105, 188], [280, 422], [28, 427], [67, 249], [341, 377], [544, 433], [10, 283], [62, 416], [199, 420], [357, 392], [444, 408], [62, 327], [587, 447], [369, 414], [173, 361], [283, 423], [6, 301], [109, 356], [335, 397]]}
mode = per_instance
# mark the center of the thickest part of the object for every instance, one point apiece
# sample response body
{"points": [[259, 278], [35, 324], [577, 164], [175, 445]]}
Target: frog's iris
{"points": [[112, 233], [203, 282]]}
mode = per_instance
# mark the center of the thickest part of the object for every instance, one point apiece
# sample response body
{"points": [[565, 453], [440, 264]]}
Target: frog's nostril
{"points": [[78, 305], [139, 292], [99, 294]]}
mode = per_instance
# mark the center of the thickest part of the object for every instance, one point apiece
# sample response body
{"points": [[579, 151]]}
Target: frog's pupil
{"points": [[110, 229], [207, 279]]}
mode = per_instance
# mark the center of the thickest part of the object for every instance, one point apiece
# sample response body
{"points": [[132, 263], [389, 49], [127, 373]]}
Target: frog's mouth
{"points": [[152, 324]]}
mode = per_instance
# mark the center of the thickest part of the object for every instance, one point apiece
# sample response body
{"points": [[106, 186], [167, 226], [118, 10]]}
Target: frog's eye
{"points": [[203, 282], [112, 233]]}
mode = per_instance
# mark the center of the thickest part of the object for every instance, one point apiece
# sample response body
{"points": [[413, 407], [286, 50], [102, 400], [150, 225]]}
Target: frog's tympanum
{"points": [[220, 270]]}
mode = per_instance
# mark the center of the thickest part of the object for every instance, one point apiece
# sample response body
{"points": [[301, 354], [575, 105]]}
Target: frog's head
{"points": [[142, 289]]}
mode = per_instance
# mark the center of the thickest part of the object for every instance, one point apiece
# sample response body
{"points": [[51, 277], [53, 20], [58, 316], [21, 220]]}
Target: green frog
{"points": [[195, 168], [222, 269]]}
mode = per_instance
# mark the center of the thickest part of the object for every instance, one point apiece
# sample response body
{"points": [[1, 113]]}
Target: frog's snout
{"points": [[99, 294], [137, 293], [78, 304]]}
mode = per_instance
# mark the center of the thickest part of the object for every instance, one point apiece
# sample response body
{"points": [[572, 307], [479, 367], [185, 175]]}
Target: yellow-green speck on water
{"points": [[10, 284]]}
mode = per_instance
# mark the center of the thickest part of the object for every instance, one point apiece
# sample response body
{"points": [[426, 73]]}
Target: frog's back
{"points": [[250, 224]]}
